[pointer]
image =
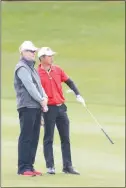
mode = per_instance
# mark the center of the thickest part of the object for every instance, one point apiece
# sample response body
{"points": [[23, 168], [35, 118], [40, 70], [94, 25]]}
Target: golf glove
{"points": [[80, 99]]}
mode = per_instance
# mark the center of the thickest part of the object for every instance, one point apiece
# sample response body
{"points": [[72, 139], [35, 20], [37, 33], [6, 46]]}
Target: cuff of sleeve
{"points": [[44, 98]]}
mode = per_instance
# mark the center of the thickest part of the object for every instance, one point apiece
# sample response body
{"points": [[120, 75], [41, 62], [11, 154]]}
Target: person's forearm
{"points": [[33, 91], [26, 79], [72, 86], [44, 93]]}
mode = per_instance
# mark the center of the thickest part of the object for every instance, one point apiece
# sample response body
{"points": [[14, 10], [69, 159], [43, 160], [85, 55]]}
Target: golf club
{"points": [[97, 123]]}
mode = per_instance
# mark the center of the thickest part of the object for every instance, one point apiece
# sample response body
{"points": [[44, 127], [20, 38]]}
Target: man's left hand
{"points": [[80, 99]]}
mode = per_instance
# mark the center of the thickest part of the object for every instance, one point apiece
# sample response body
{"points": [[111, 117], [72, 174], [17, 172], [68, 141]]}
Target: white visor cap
{"points": [[45, 51], [27, 45]]}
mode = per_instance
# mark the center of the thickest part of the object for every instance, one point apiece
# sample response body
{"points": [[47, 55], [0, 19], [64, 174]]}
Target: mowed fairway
{"points": [[89, 39]]}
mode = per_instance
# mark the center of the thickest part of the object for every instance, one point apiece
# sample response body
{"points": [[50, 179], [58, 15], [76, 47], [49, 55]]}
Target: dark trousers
{"points": [[56, 115], [30, 119]]}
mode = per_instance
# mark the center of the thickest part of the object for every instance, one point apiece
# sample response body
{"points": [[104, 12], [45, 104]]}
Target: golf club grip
{"points": [[107, 136]]}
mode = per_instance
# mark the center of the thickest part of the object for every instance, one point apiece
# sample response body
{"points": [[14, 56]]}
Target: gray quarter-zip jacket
{"points": [[27, 84]]}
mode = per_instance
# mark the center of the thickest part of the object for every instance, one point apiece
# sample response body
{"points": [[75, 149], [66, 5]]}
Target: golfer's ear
{"points": [[42, 57]]}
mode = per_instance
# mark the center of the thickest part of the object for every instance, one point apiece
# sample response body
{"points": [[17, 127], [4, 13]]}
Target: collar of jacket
{"points": [[30, 63]]}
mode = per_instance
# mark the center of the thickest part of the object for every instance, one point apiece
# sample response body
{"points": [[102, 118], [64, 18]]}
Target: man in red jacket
{"points": [[52, 77]]}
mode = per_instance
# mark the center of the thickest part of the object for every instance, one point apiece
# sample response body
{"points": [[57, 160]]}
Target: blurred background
{"points": [[89, 38]]}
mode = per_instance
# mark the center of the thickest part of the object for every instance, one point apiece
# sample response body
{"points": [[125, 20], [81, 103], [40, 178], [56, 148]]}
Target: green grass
{"points": [[89, 38]]}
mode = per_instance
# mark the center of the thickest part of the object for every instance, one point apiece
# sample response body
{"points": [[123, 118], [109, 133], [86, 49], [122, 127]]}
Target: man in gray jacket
{"points": [[31, 101]]}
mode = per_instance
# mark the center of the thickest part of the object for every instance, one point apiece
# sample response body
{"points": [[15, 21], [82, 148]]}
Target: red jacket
{"points": [[52, 83]]}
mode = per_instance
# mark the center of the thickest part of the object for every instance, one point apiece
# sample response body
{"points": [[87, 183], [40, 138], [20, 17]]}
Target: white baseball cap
{"points": [[45, 51], [27, 45]]}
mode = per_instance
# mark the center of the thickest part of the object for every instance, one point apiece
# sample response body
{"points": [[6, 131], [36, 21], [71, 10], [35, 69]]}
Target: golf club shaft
{"points": [[107, 136], [69, 91], [98, 124]]}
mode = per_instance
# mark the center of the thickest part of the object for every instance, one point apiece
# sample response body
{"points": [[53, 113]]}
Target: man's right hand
{"points": [[44, 104]]}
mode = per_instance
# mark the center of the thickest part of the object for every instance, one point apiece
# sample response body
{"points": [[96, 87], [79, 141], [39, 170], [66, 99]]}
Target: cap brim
{"points": [[54, 53], [46, 54], [32, 49]]}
